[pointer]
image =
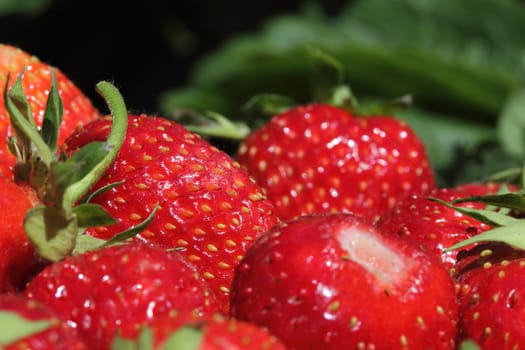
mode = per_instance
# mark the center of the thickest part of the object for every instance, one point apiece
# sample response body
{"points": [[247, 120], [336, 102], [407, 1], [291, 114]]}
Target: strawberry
{"points": [[209, 209], [435, 226], [28, 324], [320, 158], [490, 292], [18, 260], [119, 289], [36, 81], [334, 281], [212, 332]]}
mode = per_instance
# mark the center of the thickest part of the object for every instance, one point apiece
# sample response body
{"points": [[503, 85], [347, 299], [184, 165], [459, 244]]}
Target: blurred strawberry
{"points": [[213, 332], [29, 324], [319, 158]]}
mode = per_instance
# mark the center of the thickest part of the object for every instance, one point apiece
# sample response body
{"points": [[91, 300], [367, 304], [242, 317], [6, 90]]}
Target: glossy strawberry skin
{"points": [[335, 282], [59, 336], [218, 332], [119, 288], [491, 294], [78, 109], [18, 261], [320, 158], [210, 210], [435, 226]]}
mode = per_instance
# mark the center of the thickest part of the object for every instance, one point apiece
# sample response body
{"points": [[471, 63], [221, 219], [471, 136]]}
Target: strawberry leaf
{"points": [[60, 183], [91, 215], [489, 217], [23, 124], [469, 345], [143, 342], [52, 116], [185, 338], [129, 233], [101, 190], [15, 327], [74, 169], [51, 231], [510, 234], [86, 242], [514, 201]]}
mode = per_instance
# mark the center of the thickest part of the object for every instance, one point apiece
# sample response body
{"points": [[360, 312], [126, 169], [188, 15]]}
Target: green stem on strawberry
{"points": [[115, 139], [55, 226]]}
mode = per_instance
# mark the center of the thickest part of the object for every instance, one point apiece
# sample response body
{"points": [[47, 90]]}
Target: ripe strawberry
{"points": [[336, 282], [213, 332], [119, 289], [208, 208], [18, 260], [36, 81], [435, 226], [28, 324], [491, 288], [321, 158]]}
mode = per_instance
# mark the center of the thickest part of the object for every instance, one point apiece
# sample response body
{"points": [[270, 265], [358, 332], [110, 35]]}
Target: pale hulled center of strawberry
{"points": [[385, 263]]}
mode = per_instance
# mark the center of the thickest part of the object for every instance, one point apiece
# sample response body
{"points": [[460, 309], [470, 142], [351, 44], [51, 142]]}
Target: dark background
{"points": [[144, 47]]}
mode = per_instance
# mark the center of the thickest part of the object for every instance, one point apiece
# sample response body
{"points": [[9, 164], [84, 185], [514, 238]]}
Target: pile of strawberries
{"points": [[325, 230]]}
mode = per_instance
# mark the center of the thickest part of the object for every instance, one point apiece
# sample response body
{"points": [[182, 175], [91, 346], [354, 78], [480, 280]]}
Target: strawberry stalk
{"points": [[60, 183]]}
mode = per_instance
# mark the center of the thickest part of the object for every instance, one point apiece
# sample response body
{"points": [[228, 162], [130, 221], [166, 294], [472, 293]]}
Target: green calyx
{"points": [[60, 182], [15, 327], [504, 212], [186, 337]]}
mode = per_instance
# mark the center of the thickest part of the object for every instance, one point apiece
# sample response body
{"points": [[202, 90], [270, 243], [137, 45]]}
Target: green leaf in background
{"points": [[459, 60], [439, 52], [26, 7], [511, 127]]}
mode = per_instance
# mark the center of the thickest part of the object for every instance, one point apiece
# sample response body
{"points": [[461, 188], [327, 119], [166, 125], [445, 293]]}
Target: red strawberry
{"points": [[28, 324], [491, 291], [213, 332], [321, 158], [119, 289], [36, 81], [336, 282], [210, 210], [18, 260], [435, 226]]}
